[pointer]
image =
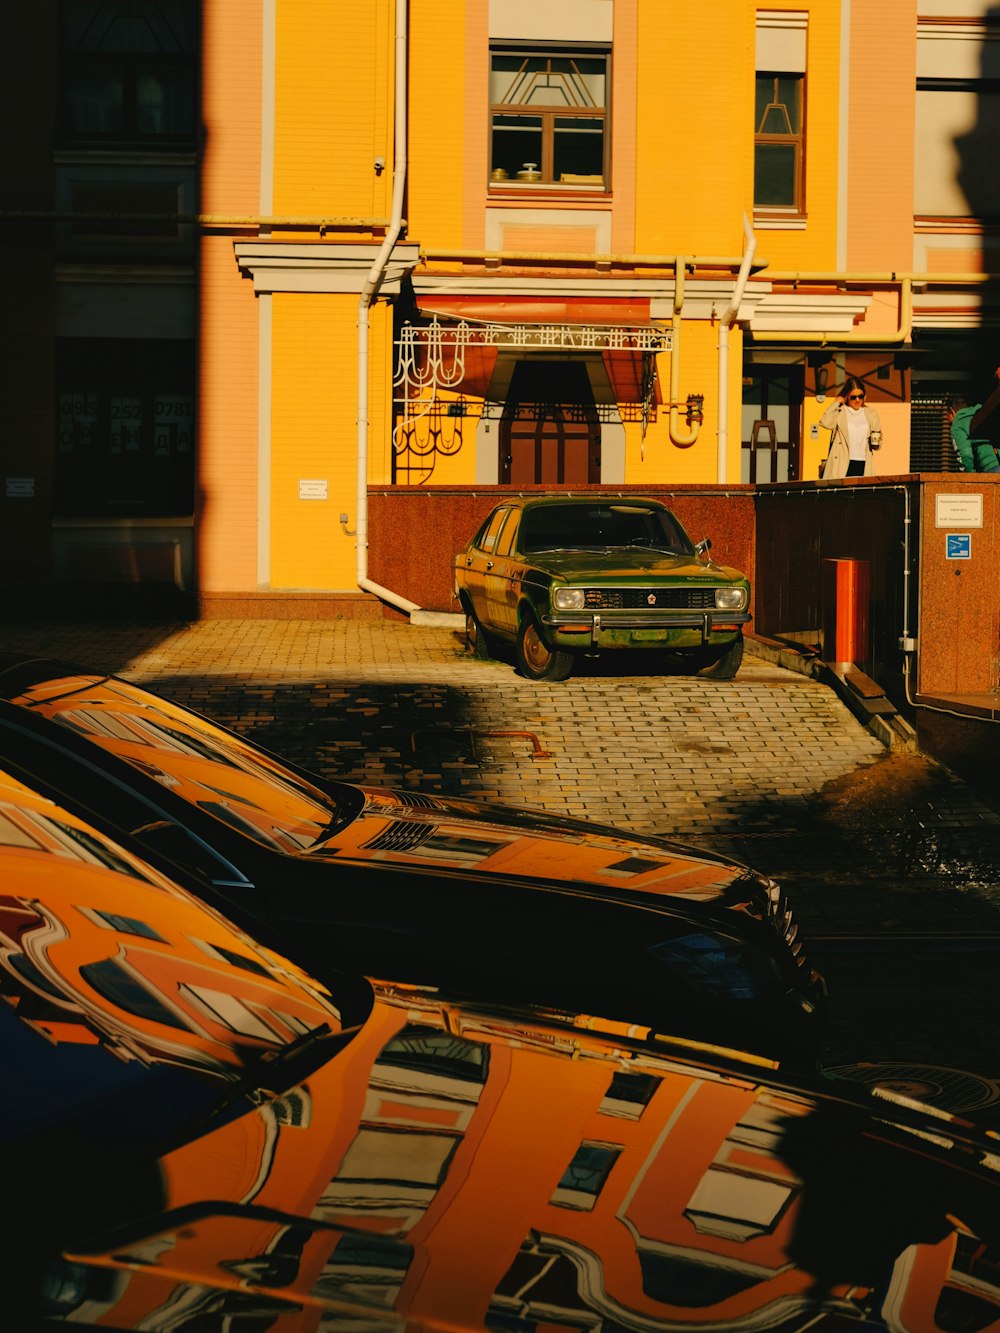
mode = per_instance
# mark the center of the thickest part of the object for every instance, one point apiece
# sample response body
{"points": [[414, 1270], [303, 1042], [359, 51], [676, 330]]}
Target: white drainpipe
{"points": [[368, 293], [730, 313]]}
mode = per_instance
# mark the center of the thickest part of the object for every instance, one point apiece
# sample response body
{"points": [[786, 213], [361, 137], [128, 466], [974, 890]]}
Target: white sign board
{"points": [[20, 488], [958, 511], [312, 490]]}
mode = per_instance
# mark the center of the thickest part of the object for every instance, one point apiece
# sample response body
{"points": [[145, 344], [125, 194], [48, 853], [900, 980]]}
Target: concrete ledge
{"points": [[437, 619], [289, 606], [863, 696], [986, 707]]}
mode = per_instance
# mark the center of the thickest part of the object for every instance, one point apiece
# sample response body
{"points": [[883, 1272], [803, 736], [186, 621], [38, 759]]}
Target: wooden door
{"points": [[772, 424], [550, 434]]}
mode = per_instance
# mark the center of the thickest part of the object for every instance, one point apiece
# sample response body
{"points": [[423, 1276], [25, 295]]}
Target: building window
{"points": [[958, 101], [584, 1178], [127, 71], [129, 925], [548, 118], [777, 168], [779, 111], [125, 432]]}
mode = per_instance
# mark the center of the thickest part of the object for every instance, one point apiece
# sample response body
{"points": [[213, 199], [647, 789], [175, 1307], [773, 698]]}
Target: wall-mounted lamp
{"points": [[348, 532], [819, 363], [379, 166], [695, 409]]}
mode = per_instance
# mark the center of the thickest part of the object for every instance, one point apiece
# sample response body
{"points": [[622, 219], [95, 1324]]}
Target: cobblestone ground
{"points": [[770, 767]]}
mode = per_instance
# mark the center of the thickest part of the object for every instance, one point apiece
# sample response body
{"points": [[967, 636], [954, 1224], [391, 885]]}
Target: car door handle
{"points": [[489, 564], [468, 561]]}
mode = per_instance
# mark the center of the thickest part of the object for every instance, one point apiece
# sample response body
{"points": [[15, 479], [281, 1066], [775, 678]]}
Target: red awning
{"points": [[539, 309], [629, 369]]}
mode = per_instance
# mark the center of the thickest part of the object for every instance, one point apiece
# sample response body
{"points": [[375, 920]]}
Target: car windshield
{"points": [[591, 526], [213, 769]]}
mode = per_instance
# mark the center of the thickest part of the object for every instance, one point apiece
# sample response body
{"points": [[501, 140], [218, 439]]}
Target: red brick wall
{"points": [[413, 534]]}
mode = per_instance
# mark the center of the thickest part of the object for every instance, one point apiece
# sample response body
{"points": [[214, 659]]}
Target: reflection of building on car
{"points": [[131, 1015], [442, 1164], [479, 898], [561, 577]]}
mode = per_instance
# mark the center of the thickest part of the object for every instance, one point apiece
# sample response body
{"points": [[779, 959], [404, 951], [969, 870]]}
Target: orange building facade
{"points": [[454, 1173], [266, 258]]}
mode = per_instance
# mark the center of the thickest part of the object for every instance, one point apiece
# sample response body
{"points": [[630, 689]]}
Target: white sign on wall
{"points": [[313, 490], [958, 511]]}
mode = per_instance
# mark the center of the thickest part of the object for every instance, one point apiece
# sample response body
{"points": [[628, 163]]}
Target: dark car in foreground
{"points": [[198, 1136], [484, 899], [561, 577]]}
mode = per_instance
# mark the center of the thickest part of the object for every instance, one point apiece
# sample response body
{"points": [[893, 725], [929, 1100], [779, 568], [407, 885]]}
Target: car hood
{"points": [[617, 565], [461, 1169], [416, 830], [411, 830]]}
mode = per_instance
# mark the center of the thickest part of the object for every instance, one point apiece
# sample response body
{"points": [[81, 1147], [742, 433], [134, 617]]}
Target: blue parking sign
{"points": [[958, 545]]}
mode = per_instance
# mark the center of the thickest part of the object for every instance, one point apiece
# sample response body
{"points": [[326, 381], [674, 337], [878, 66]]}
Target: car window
{"points": [[488, 539], [505, 543], [595, 526], [214, 770]]}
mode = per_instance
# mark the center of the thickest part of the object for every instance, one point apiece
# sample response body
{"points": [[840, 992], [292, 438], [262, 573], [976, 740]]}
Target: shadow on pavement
{"points": [[900, 913]]}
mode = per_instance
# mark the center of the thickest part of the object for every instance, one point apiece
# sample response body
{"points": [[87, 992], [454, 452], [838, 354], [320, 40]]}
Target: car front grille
{"points": [[788, 928], [638, 599]]}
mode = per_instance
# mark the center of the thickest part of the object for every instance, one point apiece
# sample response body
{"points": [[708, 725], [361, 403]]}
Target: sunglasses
{"points": [[850, 396]]}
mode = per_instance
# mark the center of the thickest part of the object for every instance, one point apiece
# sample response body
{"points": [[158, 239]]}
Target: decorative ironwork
{"points": [[431, 358]]}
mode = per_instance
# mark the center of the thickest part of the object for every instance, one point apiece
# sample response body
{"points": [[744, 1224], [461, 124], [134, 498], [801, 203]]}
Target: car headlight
{"points": [[730, 599], [568, 599]]}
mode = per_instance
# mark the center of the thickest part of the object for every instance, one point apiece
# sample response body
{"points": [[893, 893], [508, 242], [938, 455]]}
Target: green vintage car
{"points": [[560, 577]]}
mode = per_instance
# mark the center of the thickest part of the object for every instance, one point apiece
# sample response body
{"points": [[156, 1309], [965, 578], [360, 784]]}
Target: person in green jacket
{"points": [[975, 452]]}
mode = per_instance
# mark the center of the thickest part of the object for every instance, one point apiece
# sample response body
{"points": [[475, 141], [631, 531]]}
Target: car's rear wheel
{"points": [[477, 644], [727, 664], [535, 659]]}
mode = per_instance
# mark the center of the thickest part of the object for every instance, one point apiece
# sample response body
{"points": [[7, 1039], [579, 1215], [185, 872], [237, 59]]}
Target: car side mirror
{"points": [[703, 547]]}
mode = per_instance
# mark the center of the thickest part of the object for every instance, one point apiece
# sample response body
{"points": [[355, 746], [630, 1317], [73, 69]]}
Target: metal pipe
{"points": [[368, 293], [686, 439], [896, 275], [580, 257], [266, 221], [729, 314]]}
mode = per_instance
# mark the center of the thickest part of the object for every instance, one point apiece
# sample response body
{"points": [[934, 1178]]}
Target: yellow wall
{"points": [[333, 94], [694, 173], [659, 459], [314, 434], [440, 157], [227, 493]]}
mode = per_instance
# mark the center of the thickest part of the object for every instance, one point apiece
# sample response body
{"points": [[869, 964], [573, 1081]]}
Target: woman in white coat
{"points": [[856, 432]]}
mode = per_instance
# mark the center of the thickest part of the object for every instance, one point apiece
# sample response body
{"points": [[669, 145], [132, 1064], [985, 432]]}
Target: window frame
{"points": [[549, 116], [129, 66], [796, 140], [109, 462]]}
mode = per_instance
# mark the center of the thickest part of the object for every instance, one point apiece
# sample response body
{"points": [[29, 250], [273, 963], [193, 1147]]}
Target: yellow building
{"points": [[302, 251]]}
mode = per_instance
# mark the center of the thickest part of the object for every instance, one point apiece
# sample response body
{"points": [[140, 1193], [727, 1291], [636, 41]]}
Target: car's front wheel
{"points": [[727, 664], [535, 659]]}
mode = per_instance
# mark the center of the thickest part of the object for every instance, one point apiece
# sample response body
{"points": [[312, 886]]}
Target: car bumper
{"points": [[675, 629]]}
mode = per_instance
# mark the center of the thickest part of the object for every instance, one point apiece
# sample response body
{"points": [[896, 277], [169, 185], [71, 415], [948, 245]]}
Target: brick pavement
{"points": [[745, 766], [392, 703]]}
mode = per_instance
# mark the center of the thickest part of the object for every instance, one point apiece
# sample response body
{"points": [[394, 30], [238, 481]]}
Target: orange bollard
{"points": [[846, 596]]}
